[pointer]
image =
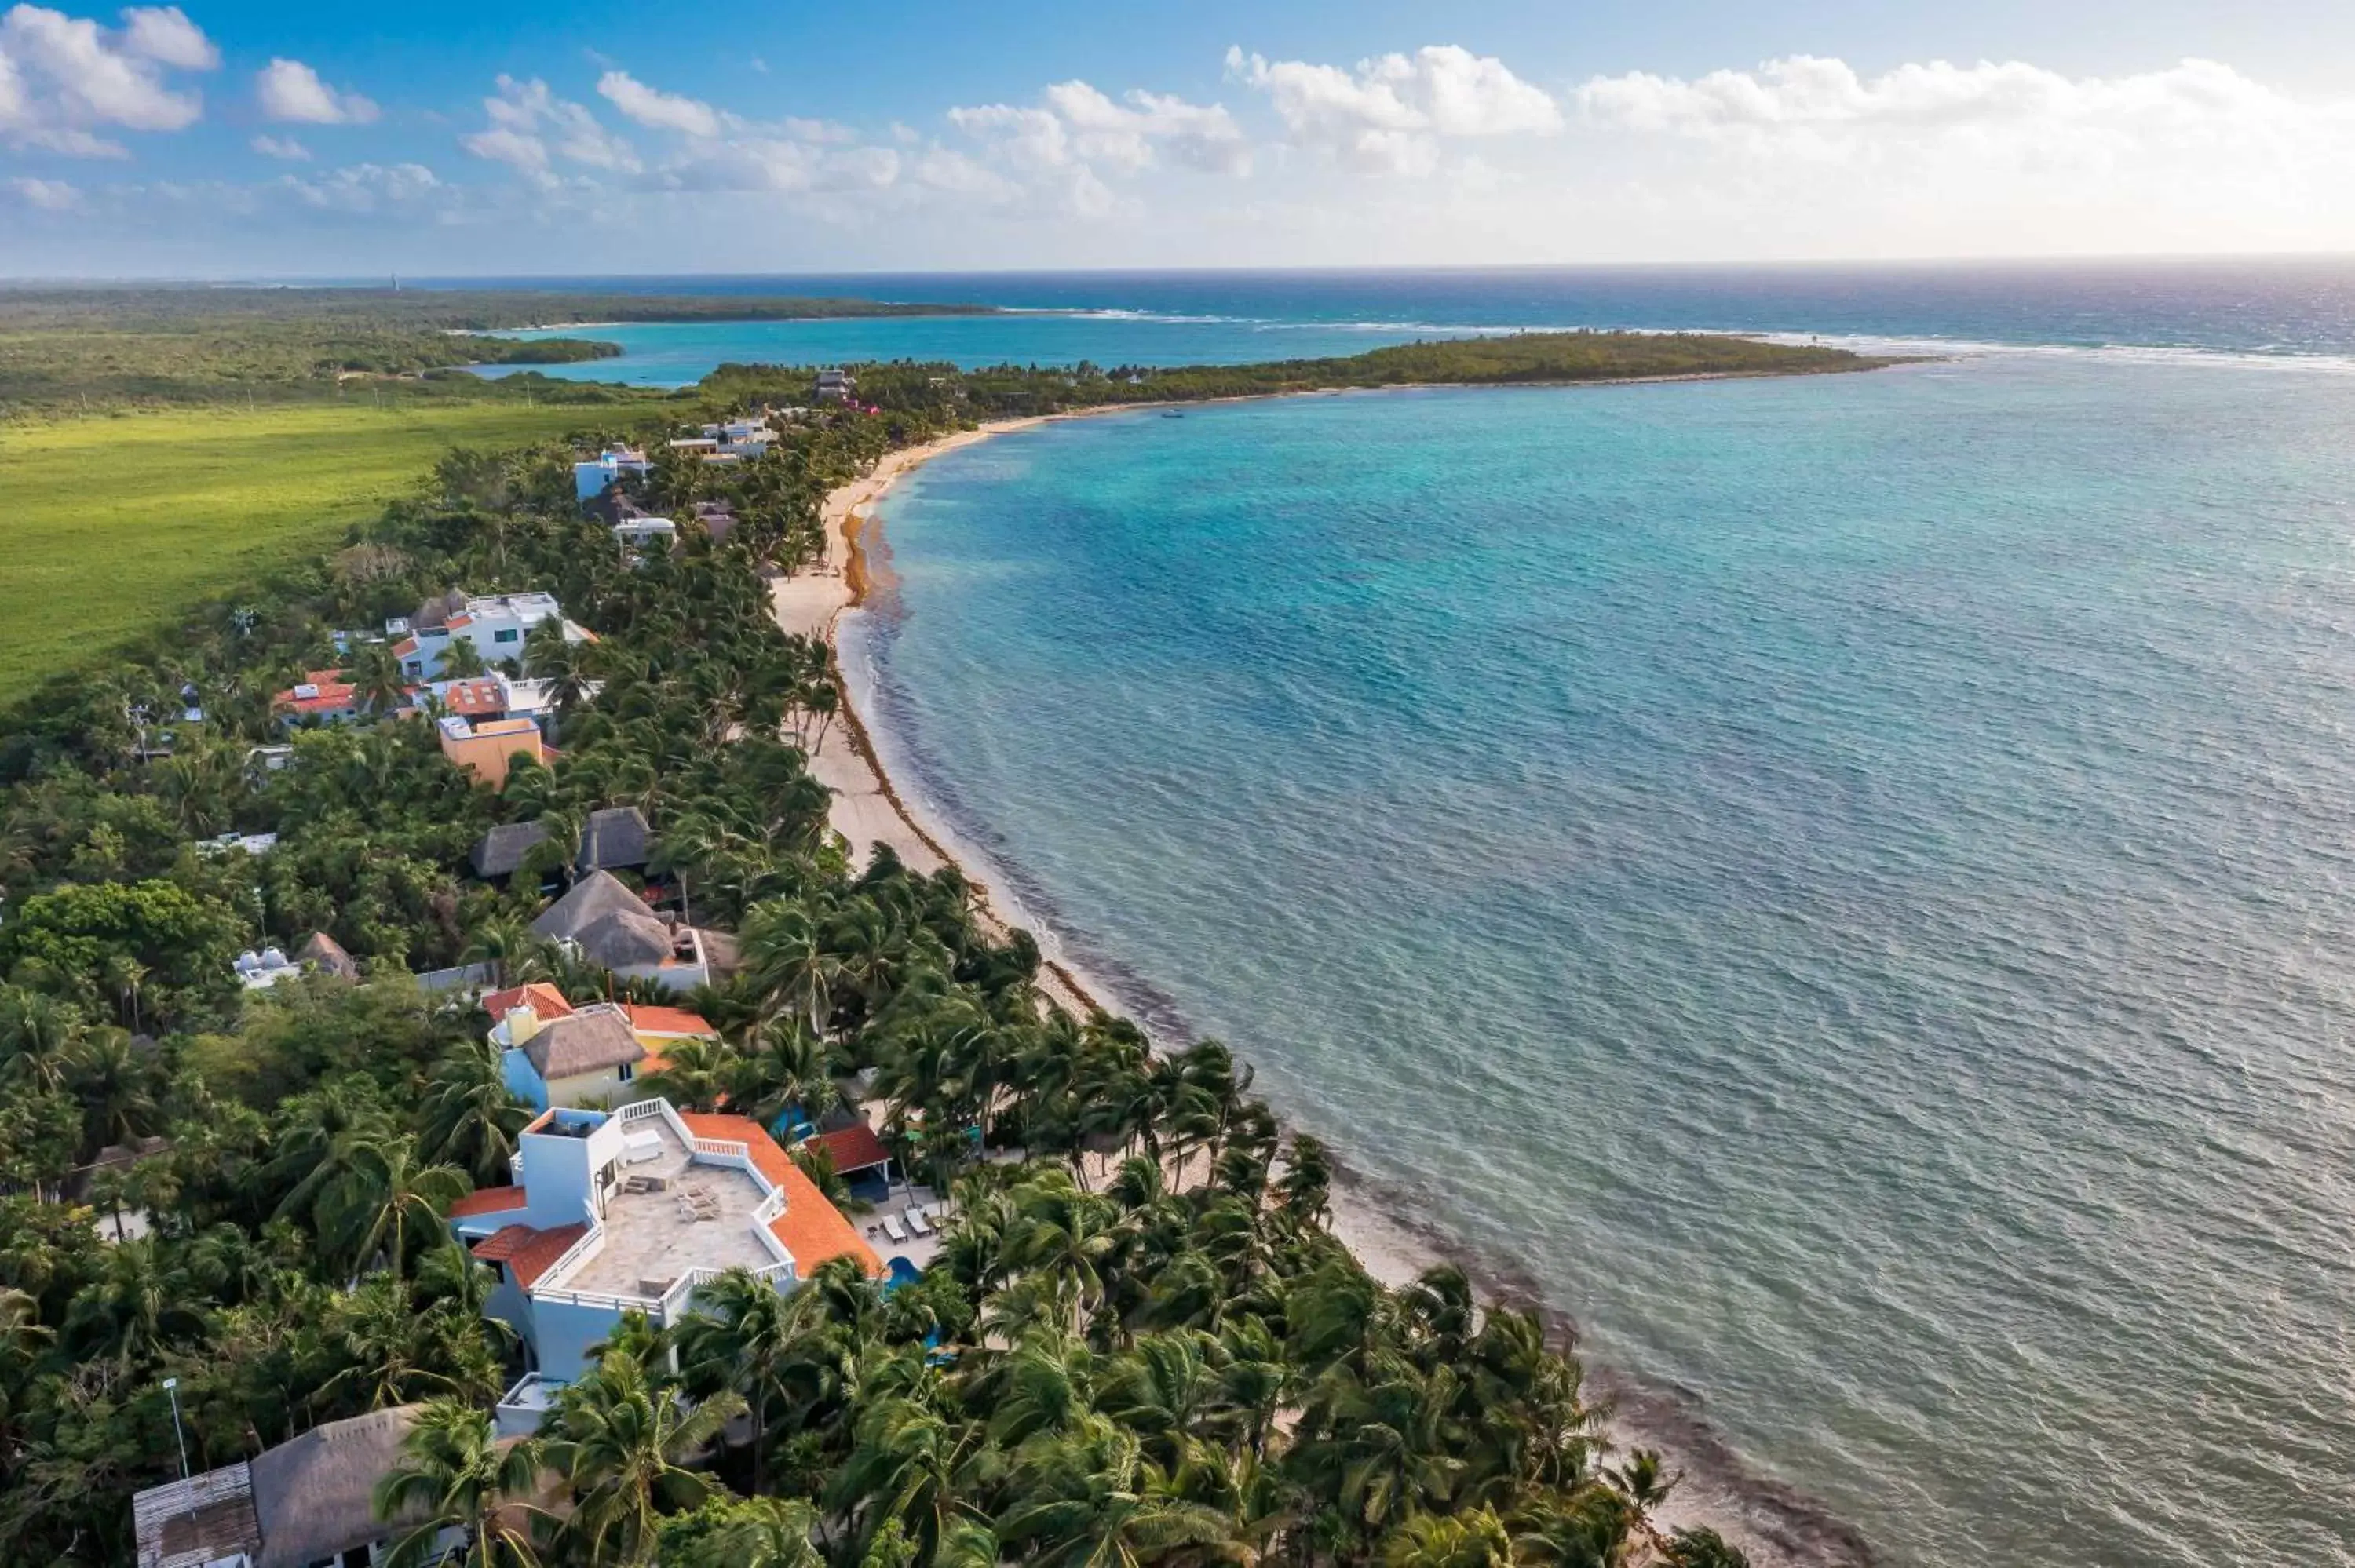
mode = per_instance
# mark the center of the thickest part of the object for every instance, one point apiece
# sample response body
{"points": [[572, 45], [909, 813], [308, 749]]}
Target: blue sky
{"points": [[239, 139]]}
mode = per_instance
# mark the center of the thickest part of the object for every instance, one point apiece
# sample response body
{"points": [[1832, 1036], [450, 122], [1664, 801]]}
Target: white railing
{"points": [[723, 1150], [642, 1111], [592, 1242]]}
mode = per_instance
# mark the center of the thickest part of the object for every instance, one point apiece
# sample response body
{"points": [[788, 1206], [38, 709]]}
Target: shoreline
{"points": [[1778, 1525]]}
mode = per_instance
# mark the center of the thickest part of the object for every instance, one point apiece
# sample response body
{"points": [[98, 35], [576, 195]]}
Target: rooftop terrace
{"points": [[669, 1214]]}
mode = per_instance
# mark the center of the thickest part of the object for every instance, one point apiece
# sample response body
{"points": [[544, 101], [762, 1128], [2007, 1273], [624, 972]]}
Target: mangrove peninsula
{"points": [[469, 1003]]}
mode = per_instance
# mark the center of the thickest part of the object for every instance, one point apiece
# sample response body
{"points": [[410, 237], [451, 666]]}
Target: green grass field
{"points": [[119, 523]]}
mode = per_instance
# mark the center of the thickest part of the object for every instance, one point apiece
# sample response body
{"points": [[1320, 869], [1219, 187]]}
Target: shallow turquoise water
{"points": [[1845, 880]]}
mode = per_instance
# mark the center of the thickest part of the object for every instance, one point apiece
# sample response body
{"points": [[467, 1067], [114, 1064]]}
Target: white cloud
{"points": [[47, 196], [531, 128], [1125, 135], [1390, 114], [291, 90], [163, 33], [284, 147], [1054, 150], [62, 79], [364, 187], [655, 109]]}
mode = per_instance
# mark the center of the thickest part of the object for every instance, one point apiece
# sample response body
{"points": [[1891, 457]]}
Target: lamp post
{"points": [[172, 1387]]}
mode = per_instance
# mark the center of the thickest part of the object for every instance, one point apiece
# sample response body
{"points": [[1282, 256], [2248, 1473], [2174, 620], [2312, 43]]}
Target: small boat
{"points": [[1171, 414]]}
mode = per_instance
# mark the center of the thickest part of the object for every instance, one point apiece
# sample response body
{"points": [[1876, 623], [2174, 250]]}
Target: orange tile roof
{"points": [[544, 998], [812, 1229], [487, 1201], [528, 1253], [405, 647], [334, 694], [650, 1019]]}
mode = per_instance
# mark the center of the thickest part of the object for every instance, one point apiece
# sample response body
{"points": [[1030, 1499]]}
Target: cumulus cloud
{"points": [[291, 90], [63, 80], [1055, 150], [1125, 135], [655, 109], [1390, 114], [284, 147], [532, 130], [46, 196], [163, 33]]}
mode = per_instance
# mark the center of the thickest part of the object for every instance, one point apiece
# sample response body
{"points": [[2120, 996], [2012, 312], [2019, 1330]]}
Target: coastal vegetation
{"points": [[1141, 1344], [941, 391], [86, 349]]}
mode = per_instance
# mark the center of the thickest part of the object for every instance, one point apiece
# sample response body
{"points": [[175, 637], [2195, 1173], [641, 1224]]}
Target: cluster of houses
{"points": [[616, 1204], [485, 722]]}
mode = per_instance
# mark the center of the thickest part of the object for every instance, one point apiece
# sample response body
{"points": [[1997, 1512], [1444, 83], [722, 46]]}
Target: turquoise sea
{"points": [[1847, 884]]}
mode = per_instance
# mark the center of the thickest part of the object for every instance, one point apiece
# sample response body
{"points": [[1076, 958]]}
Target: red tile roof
{"points": [[487, 1201], [543, 998], [812, 1229], [650, 1019], [854, 1149], [528, 1253]]}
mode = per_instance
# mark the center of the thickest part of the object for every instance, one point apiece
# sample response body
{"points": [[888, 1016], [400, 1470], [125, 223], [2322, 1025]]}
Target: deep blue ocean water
{"points": [[1845, 880], [2300, 307]]}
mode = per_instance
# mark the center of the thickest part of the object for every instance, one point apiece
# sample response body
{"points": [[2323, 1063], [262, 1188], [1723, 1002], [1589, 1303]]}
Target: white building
{"points": [[260, 971], [634, 1211], [636, 533], [495, 624]]}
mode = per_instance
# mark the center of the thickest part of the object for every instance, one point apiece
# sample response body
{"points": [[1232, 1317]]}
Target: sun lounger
{"points": [[892, 1228], [916, 1222]]}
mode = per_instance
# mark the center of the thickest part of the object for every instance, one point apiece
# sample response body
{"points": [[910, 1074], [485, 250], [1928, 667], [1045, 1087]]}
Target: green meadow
{"points": [[116, 524]]}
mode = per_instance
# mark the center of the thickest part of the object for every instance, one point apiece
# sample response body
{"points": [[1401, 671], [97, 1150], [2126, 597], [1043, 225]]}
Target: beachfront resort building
{"points": [[835, 386], [494, 625], [554, 1054], [634, 1210]]}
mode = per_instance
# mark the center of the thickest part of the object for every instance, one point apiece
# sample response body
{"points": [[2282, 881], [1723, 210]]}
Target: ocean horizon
{"points": [[2298, 309]]}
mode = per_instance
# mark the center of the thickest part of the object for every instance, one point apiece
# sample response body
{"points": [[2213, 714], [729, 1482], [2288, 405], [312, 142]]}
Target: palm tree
{"points": [[792, 966], [787, 1065], [378, 679], [905, 1472], [1645, 1485], [38, 1032], [471, 1117], [460, 661], [453, 1473], [1475, 1538], [134, 1309], [696, 1073], [745, 1533], [391, 1197], [116, 1085], [742, 1335], [1091, 1501], [504, 941], [623, 1444]]}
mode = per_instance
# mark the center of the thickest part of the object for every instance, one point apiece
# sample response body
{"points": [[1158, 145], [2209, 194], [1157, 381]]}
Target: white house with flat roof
{"points": [[634, 1211], [495, 624]]}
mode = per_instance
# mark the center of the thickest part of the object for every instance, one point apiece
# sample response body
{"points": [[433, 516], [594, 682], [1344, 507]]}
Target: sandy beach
{"points": [[1779, 1528]]}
